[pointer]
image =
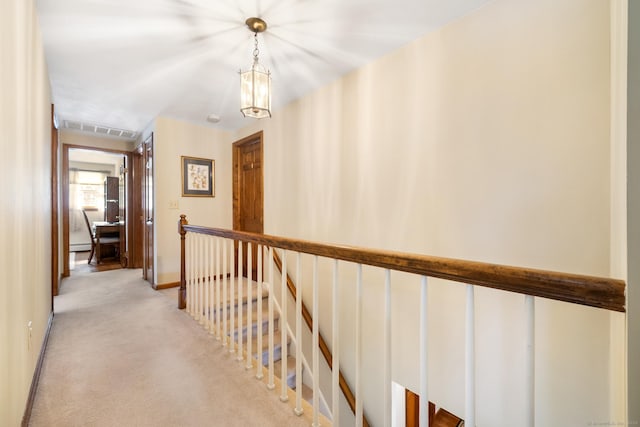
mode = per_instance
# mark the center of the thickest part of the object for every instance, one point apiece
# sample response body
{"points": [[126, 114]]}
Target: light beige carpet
{"points": [[122, 354]]}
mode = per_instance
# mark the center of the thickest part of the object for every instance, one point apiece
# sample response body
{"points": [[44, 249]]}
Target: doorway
{"points": [[95, 191], [248, 190]]}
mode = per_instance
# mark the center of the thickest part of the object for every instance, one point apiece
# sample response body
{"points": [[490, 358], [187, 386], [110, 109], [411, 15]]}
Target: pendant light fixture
{"points": [[255, 83]]}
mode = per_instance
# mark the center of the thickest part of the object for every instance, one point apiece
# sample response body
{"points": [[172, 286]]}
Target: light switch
{"points": [[173, 204]]}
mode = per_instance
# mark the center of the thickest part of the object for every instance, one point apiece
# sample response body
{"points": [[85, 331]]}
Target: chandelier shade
{"points": [[255, 83], [255, 92]]}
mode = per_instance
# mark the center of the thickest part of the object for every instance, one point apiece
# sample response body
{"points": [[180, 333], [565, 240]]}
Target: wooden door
{"points": [[248, 190], [148, 210]]}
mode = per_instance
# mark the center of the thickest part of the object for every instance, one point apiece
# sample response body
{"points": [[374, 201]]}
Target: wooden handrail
{"points": [[591, 291], [322, 344]]}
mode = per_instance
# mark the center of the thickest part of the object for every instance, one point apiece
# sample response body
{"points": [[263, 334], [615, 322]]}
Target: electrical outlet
{"points": [[30, 331], [173, 204]]}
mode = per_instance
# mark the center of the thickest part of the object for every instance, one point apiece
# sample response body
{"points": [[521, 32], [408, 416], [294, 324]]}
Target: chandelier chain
{"points": [[256, 51]]}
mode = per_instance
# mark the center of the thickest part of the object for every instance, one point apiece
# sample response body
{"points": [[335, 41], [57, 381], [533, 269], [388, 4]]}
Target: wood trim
{"points": [[36, 374], [55, 243], [322, 344], [591, 291], [167, 286], [65, 212], [129, 249], [136, 241], [92, 148], [65, 196]]}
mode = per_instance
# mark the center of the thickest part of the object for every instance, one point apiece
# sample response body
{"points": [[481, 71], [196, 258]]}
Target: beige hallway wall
{"points": [[173, 139], [487, 140], [25, 215]]}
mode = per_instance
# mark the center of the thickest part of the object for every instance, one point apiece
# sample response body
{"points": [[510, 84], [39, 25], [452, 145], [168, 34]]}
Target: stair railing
{"points": [[206, 273], [322, 343]]}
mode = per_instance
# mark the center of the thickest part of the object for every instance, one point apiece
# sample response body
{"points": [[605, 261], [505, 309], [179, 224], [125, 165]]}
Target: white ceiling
{"points": [[121, 63]]}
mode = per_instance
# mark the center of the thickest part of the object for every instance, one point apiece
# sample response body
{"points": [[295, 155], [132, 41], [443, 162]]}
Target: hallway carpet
{"points": [[122, 354]]}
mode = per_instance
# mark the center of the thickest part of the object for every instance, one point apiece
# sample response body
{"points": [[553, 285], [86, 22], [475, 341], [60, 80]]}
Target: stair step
{"points": [[254, 292], [257, 324], [226, 311], [291, 371], [277, 348], [264, 294]]}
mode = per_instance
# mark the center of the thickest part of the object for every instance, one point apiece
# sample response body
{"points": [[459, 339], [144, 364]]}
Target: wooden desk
{"points": [[106, 234]]}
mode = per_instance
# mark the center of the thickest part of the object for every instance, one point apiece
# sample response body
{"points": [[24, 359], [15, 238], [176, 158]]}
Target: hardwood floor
{"points": [[78, 263]]}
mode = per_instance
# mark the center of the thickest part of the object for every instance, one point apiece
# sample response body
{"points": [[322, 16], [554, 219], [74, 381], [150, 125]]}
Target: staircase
{"points": [[255, 327]]}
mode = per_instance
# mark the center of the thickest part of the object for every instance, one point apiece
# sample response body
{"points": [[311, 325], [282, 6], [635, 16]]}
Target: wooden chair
{"points": [[104, 241], [439, 418], [443, 418]]}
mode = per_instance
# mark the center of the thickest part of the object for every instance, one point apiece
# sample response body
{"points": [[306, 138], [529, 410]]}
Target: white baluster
{"points": [[283, 330], [232, 297], [206, 282], [424, 354], [298, 409], [387, 349], [191, 289], [225, 287], [212, 285], [358, 386], [259, 364], [316, 373], [335, 347], [198, 281], [530, 362], [240, 302], [470, 361], [218, 289], [249, 305], [271, 385]]}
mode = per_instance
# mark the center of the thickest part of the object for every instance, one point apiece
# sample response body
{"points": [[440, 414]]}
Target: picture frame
{"points": [[198, 177]]}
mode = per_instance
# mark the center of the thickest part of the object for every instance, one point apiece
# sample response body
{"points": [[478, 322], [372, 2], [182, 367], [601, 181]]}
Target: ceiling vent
{"points": [[99, 129]]}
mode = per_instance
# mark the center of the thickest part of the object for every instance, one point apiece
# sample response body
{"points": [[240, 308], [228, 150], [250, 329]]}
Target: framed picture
{"points": [[198, 177]]}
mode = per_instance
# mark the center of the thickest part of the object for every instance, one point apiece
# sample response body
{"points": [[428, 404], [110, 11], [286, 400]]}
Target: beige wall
{"points": [[25, 216], [633, 164], [173, 139], [486, 140]]}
